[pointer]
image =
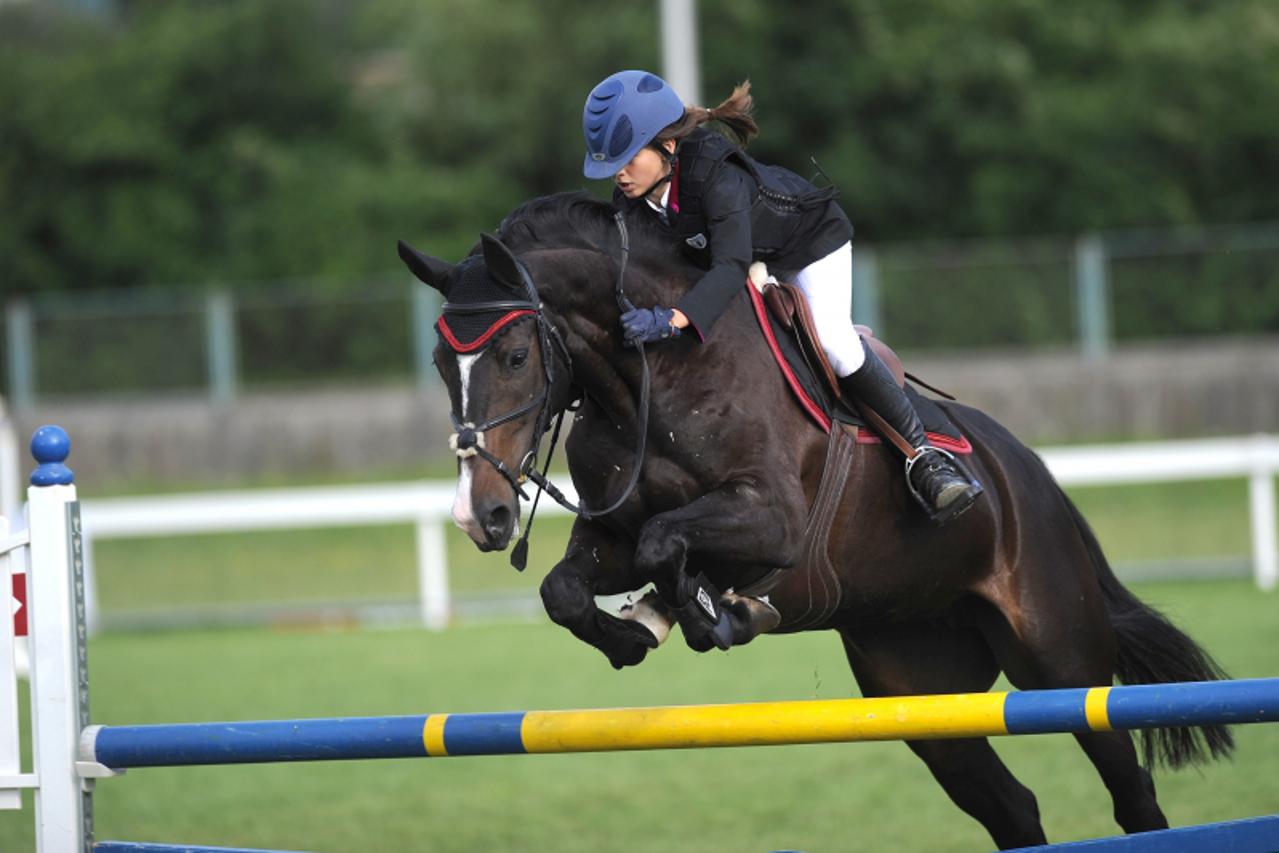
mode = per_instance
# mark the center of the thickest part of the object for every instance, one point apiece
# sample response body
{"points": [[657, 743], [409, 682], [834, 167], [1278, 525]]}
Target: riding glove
{"points": [[648, 325]]}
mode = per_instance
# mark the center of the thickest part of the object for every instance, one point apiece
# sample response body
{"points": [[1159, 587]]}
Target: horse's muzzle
{"points": [[498, 526]]}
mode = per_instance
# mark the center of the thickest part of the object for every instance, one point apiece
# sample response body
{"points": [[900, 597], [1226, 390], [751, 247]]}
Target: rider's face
{"points": [[645, 169]]}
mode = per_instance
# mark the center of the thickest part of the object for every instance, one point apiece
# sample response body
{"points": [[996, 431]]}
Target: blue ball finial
{"points": [[50, 445]]}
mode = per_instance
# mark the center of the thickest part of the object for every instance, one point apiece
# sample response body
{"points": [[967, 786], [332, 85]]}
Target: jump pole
{"points": [[684, 727]]}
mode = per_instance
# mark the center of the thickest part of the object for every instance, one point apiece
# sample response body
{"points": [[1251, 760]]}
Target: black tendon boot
{"points": [[933, 475], [700, 613]]}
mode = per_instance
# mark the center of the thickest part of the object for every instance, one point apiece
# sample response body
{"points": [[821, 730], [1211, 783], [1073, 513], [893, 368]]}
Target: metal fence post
{"points": [[22, 362], [433, 574], [679, 48], [220, 336], [1093, 296], [1261, 506], [866, 290]]}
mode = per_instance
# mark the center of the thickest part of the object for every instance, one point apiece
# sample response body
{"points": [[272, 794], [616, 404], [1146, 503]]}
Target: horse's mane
{"points": [[580, 220]]}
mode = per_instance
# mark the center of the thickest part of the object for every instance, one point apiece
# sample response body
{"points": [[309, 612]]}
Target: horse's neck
{"points": [[583, 304], [600, 372]]}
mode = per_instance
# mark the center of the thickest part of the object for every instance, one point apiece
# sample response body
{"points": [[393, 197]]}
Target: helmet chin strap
{"points": [[671, 160], [662, 180]]}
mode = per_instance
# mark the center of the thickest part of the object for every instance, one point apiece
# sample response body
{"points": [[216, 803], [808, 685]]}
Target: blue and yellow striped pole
{"points": [[687, 727]]}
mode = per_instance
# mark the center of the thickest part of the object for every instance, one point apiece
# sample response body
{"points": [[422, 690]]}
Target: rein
{"points": [[468, 439]]}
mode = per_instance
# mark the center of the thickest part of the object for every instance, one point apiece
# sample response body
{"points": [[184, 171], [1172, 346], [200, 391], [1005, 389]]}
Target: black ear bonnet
{"points": [[467, 331]]}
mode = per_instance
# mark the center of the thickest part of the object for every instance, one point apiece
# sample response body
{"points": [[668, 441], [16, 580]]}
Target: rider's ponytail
{"points": [[734, 114]]}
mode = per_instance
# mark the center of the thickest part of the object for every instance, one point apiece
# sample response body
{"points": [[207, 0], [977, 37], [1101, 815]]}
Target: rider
{"points": [[728, 209]]}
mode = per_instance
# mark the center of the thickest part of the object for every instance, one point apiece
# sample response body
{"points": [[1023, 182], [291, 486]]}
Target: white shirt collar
{"points": [[662, 207]]}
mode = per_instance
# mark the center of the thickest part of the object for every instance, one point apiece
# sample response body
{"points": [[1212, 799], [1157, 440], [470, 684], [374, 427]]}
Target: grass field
{"points": [[855, 797]]}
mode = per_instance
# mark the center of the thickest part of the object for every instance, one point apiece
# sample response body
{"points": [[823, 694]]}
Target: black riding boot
{"points": [[933, 476]]}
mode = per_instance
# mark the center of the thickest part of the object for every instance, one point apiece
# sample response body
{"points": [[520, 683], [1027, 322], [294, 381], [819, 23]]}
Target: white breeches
{"points": [[828, 284]]}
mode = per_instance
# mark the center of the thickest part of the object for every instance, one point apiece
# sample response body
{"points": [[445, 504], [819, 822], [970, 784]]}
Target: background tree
{"points": [[182, 142]]}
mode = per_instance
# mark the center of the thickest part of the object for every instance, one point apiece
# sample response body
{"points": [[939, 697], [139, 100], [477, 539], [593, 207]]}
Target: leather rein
{"points": [[468, 439]]}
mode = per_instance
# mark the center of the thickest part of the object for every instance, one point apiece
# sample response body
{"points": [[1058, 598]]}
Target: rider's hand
{"points": [[648, 325]]}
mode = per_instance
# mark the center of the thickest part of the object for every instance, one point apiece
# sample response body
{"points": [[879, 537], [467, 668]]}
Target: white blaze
{"points": [[463, 516]]}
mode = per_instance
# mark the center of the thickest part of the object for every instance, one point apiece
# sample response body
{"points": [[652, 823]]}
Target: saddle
{"points": [[787, 323], [787, 305]]}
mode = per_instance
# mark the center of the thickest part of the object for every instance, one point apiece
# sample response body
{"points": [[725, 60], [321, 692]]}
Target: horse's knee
{"points": [[659, 551], [565, 597]]}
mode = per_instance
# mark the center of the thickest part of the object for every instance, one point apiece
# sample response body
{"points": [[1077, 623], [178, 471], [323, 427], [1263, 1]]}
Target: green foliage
{"points": [[993, 118], [199, 142], [195, 142]]}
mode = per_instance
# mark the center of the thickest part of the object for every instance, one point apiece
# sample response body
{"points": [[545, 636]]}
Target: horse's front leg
{"points": [[598, 562], [741, 523]]}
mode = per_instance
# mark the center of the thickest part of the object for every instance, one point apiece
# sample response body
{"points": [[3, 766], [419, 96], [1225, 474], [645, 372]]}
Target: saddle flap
{"points": [[789, 307], [809, 339]]}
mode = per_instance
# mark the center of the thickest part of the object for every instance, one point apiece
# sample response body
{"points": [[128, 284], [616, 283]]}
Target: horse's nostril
{"points": [[497, 524]]}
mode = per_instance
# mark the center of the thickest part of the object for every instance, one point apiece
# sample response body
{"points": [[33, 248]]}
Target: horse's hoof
{"points": [[750, 617], [628, 660], [699, 642], [632, 655], [630, 645]]}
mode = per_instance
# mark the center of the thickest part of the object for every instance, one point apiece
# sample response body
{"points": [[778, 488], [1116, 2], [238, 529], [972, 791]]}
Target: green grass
{"points": [[855, 797], [1207, 518]]}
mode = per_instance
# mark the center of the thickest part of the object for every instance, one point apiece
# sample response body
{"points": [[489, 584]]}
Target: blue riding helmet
{"points": [[622, 115]]}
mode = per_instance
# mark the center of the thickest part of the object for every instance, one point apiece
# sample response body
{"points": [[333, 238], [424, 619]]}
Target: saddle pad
{"points": [[814, 398]]}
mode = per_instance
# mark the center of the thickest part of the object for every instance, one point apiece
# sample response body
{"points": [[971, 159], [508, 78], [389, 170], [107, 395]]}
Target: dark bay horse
{"points": [[729, 477]]}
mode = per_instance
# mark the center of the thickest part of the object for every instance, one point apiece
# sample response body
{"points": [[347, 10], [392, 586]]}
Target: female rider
{"points": [[728, 210]]}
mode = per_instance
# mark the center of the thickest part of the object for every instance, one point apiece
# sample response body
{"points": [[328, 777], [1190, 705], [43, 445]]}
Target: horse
{"points": [[712, 468]]}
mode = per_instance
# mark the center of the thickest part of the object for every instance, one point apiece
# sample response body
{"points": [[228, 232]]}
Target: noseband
{"points": [[468, 439]]}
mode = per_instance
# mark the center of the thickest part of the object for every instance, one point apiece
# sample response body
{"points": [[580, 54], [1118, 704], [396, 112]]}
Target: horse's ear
{"points": [[501, 263], [432, 271]]}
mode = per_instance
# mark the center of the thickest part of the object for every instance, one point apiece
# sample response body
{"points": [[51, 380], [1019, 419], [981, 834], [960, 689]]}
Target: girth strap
{"points": [[821, 589]]}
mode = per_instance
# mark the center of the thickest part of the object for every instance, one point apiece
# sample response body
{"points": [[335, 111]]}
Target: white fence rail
{"points": [[428, 505]]}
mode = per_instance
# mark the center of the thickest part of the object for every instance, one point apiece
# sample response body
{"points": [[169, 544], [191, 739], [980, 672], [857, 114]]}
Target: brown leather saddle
{"points": [[790, 312], [787, 304]]}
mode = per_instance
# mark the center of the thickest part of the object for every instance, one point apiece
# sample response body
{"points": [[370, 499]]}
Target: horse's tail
{"points": [[1151, 650]]}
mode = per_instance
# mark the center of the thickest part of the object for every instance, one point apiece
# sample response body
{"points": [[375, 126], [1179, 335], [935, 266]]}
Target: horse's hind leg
{"points": [[1069, 643], [937, 658], [1131, 787]]}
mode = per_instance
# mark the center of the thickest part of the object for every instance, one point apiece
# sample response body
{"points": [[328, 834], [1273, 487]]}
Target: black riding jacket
{"points": [[727, 210]]}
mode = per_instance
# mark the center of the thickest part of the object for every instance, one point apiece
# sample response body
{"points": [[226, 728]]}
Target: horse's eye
{"points": [[517, 358]]}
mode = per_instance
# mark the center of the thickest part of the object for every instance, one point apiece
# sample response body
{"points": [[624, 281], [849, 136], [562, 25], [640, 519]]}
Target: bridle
{"points": [[468, 439]]}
